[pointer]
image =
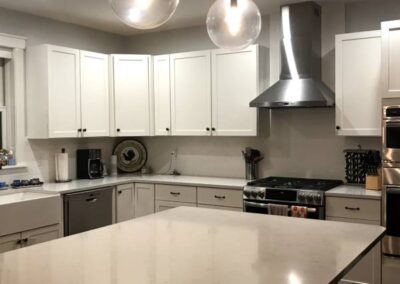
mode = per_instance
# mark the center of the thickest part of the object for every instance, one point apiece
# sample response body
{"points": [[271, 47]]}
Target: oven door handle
{"points": [[254, 204]]}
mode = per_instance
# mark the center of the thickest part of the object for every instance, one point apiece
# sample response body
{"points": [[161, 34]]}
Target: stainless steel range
{"points": [[309, 194]]}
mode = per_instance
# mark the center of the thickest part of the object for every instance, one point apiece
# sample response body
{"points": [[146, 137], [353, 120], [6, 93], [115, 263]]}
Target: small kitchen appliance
{"points": [[391, 176], [89, 164], [259, 195]]}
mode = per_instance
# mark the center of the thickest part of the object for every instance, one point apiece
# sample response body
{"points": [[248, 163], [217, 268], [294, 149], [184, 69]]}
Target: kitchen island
{"points": [[195, 245]]}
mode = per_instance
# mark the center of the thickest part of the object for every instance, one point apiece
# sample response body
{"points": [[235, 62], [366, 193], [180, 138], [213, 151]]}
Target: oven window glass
{"points": [[393, 136]]}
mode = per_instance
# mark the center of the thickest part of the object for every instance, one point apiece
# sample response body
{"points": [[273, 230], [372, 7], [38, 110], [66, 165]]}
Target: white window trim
{"points": [[15, 95]]}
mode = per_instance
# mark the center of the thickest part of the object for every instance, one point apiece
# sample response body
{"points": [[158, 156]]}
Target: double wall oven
{"points": [[391, 176]]}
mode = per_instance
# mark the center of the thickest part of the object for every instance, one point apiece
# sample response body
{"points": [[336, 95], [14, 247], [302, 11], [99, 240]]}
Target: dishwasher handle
{"points": [[91, 200]]}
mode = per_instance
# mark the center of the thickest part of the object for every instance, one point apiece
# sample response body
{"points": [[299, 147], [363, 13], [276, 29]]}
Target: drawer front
{"points": [[177, 193], [166, 205], [364, 209], [220, 197], [221, 207]]}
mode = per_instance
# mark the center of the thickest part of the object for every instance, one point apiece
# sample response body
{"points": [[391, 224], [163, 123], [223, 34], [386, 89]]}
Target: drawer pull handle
{"points": [[352, 208], [91, 200], [219, 197], [175, 193]]}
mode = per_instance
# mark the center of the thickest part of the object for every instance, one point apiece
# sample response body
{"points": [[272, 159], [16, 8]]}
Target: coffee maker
{"points": [[89, 164]]}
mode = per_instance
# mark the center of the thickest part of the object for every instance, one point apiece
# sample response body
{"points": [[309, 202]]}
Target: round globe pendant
{"points": [[144, 14], [234, 24]]}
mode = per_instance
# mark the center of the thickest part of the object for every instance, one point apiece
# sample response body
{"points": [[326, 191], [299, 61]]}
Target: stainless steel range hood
{"points": [[300, 82]]}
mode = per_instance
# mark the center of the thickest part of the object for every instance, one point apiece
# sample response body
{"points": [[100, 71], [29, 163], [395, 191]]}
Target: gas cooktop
{"points": [[301, 191], [296, 183]]}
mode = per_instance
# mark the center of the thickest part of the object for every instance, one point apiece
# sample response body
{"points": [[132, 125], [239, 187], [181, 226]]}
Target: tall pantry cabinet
{"points": [[67, 93], [391, 59]]}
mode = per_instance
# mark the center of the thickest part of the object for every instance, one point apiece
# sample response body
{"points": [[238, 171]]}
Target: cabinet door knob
{"points": [[167, 129], [208, 128], [213, 129], [19, 242], [337, 127], [118, 130], [80, 130], [119, 191], [84, 129]]}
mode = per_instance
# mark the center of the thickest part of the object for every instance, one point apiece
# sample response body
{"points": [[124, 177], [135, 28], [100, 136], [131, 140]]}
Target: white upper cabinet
{"points": [[162, 95], [94, 94], [191, 93], [391, 59], [67, 93], [132, 94], [237, 78], [358, 84], [64, 92]]}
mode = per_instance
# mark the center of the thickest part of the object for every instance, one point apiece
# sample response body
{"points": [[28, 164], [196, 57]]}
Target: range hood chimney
{"points": [[300, 82]]}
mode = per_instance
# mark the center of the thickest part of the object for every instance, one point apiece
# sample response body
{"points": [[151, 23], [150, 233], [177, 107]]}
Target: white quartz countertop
{"points": [[354, 191], [196, 245], [79, 185], [22, 195]]}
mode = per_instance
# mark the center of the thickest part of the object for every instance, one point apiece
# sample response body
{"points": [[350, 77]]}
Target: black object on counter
{"points": [[359, 163]]}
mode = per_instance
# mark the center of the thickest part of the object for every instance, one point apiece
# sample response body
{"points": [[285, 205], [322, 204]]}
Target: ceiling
{"points": [[97, 14]]}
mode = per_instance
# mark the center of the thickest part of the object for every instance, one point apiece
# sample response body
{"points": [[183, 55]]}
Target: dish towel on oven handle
{"points": [[278, 209], [298, 211]]}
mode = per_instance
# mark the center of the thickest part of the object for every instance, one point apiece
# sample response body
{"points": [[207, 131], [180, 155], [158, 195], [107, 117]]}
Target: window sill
{"points": [[15, 167]]}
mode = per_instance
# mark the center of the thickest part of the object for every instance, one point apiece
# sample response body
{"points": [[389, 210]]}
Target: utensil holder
{"points": [[251, 171]]}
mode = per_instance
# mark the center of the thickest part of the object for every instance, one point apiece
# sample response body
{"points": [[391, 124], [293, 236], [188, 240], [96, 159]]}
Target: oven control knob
{"points": [[317, 198], [260, 194], [302, 197], [309, 197]]}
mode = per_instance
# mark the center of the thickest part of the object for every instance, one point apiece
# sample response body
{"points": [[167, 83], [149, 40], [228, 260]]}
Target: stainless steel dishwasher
{"points": [[87, 210]]}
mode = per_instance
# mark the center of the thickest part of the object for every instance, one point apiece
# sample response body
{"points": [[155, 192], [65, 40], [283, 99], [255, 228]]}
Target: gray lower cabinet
{"points": [[364, 211], [28, 238]]}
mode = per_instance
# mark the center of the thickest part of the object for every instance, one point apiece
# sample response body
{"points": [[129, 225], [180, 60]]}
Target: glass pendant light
{"points": [[144, 14], [234, 24]]}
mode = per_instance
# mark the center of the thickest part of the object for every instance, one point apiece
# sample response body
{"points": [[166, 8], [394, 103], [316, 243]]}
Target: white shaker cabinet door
{"points": [[94, 94], [41, 235], [10, 242], [125, 202], [358, 84], [162, 95], [234, 85], [132, 94], [191, 93], [64, 92], [144, 199], [391, 59]]}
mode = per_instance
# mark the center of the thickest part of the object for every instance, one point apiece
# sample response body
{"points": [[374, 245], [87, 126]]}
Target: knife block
{"points": [[374, 182]]}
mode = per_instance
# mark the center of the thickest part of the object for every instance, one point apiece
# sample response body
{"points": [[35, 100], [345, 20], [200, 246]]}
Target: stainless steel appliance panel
{"points": [[87, 210]]}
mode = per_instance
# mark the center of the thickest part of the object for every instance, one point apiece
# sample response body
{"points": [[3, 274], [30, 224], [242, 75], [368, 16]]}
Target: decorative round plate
{"points": [[131, 156]]}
